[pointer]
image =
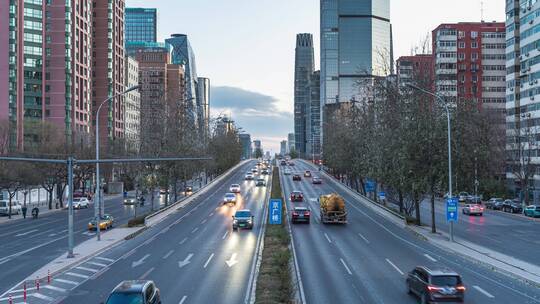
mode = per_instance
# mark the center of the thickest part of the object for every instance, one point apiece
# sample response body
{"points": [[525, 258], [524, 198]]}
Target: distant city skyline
{"points": [[221, 41]]}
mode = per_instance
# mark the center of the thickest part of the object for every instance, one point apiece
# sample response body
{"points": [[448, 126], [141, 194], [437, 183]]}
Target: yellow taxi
{"points": [[105, 223]]}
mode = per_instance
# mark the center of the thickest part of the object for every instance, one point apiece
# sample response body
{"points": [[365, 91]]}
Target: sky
{"points": [[246, 48]]}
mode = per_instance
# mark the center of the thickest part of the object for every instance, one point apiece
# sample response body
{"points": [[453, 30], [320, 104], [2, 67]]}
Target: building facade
{"points": [[141, 24], [283, 147], [313, 119], [290, 142], [257, 145], [108, 67], [245, 141], [303, 69], [203, 88], [132, 106], [417, 69]]}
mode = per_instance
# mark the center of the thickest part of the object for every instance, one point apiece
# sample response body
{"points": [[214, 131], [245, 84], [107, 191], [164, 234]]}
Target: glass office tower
{"points": [[141, 24]]}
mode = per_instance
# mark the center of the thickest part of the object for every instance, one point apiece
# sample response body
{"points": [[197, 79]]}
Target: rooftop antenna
{"points": [[482, 11]]}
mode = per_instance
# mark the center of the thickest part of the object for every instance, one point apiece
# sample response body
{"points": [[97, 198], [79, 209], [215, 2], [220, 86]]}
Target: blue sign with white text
{"points": [[370, 186], [275, 212], [452, 209]]}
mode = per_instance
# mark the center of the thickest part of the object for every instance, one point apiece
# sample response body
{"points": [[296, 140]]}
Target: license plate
{"points": [[242, 225], [301, 215]]}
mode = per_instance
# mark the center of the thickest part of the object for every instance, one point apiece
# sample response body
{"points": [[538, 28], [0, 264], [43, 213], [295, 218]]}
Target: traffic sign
{"points": [[452, 209], [382, 195], [275, 212], [370, 186]]}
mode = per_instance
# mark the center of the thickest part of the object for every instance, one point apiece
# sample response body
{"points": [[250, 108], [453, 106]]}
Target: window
{"points": [[461, 34], [461, 56], [461, 44], [474, 45], [474, 56], [474, 34]]}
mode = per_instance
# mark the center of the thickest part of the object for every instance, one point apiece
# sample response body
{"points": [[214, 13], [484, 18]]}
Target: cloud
{"points": [[256, 113]]}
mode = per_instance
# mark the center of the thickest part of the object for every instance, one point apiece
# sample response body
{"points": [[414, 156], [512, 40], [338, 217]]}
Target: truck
{"points": [[332, 209]]}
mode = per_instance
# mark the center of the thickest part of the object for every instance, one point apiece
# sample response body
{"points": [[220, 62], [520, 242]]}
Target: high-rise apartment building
{"points": [[108, 67], [304, 66], [313, 118], [132, 106], [140, 28], [245, 141], [355, 47], [416, 69]]}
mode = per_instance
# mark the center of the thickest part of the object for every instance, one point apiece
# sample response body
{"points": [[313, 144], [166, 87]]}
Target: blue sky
{"points": [[246, 48]]}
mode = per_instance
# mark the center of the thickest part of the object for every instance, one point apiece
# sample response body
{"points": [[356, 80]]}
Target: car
{"points": [[163, 191], [130, 200], [188, 189], [283, 163], [494, 203], [511, 206], [260, 182], [300, 214], [435, 285], [473, 209], [291, 163], [135, 292], [297, 196], [287, 172], [473, 199], [532, 210], [243, 219], [296, 177], [316, 180], [16, 207], [234, 188], [462, 197], [255, 170], [265, 172], [80, 202], [307, 173], [249, 176], [105, 222], [229, 198]]}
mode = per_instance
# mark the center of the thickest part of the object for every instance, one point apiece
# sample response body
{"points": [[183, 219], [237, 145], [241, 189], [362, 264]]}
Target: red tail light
{"points": [[295, 214], [432, 288], [461, 288], [307, 213]]}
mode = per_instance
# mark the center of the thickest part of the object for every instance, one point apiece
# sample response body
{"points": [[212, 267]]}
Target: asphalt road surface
{"points": [[366, 260]]}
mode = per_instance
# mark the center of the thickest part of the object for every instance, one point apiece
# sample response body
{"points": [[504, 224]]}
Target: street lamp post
{"points": [[97, 202], [445, 104]]}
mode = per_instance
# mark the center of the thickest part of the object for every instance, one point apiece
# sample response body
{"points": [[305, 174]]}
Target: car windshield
{"points": [[445, 280], [76, 200], [230, 195], [242, 214], [235, 186], [125, 298]]}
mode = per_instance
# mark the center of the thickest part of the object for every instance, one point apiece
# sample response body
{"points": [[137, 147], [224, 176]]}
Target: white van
{"points": [[16, 207]]}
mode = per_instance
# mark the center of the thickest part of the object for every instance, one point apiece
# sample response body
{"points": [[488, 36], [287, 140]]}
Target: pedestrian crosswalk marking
{"points": [[104, 259], [87, 269], [77, 275], [51, 287]]}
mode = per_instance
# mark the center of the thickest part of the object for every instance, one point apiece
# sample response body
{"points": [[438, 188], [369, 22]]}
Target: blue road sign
{"points": [[451, 209], [370, 186], [382, 195], [275, 212]]}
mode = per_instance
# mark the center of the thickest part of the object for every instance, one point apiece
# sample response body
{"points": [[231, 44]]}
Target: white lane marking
{"points": [[87, 269], [185, 261], [139, 262], [129, 253], [5, 261], [327, 238], [168, 254], [345, 265], [225, 235], [104, 259], [183, 300], [232, 261], [165, 229], [41, 296], [96, 264], [183, 241], [27, 289], [211, 214], [51, 287], [363, 238], [208, 261], [73, 274], [12, 297], [89, 233], [203, 221], [195, 230], [26, 233], [146, 273], [395, 267], [487, 294], [66, 281], [430, 257], [52, 234]]}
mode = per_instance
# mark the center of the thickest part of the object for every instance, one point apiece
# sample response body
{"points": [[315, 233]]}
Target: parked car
{"points": [[260, 182], [243, 219], [300, 214], [105, 222], [494, 203], [511, 206], [80, 202], [316, 180], [532, 210], [473, 209], [229, 198], [435, 285], [463, 196], [234, 188], [139, 291], [297, 196], [130, 200], [296, 177], [307, 173], [287, 172], [16, 207]]}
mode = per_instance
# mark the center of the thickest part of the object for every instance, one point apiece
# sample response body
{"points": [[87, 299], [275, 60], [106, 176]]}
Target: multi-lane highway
{"points": [[193, 255], [366, 260]]}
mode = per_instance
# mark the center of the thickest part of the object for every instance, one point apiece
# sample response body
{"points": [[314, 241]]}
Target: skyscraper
{"points": [[355, 47], [245, 141], [313, 118], [141, 28], [203, 87], [283, 148], [290, 142], [304, 66]]}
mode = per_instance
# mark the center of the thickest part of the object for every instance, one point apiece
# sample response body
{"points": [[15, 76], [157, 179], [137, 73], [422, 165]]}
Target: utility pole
{"points": [[70, 208]]}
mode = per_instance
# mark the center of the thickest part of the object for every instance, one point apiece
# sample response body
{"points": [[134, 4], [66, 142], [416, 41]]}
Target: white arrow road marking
{"points": [[25, 233], [208, 261], [312, 199], [232, 261], [139, 262], [345, 265], [183, 300], [185, 261], [395, 267], [429, 257], [487, 294]]}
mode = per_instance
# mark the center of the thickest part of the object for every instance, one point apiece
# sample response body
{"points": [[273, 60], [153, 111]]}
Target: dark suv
{"points": [[511, 206], [438, 285], [139, 291], [243, 219]]}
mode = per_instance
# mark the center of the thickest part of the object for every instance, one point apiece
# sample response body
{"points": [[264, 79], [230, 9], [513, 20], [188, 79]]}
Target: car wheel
{"points": [[409, 291]]}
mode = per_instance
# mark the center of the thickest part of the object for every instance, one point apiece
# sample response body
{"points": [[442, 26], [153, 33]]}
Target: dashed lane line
{"points": [[363, 238], [327, 238], [487, 294], [168, 254], [208, 261], [395, 267], [430, 257], [345, 265], [183, 300]]}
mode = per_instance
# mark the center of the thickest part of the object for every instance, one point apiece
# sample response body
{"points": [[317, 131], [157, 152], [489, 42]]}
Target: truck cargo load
{"points": [[332, 209]]}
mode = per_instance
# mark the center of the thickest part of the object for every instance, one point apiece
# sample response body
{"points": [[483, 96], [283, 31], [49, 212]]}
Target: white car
{"points": [[473, 209], [249, 176], [235, 188], [230, 198], [80, 202], [16, 207], [287, 171]]}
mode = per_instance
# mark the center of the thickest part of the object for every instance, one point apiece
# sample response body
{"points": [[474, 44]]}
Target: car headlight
{"points": [[235, 221], [249, 221]]}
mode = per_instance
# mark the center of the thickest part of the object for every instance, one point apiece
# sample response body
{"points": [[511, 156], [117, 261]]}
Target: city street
{"points": [[193, 255], [366, 260]]}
